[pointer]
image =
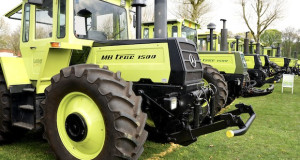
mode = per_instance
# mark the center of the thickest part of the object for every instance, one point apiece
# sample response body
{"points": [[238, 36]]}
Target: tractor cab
{"points": [[176, 28], [204, 41], [232, 45]]}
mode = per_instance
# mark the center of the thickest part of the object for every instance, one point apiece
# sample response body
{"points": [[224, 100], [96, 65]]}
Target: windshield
{"points": [[189, 33], [97, 20], [202, 44]]}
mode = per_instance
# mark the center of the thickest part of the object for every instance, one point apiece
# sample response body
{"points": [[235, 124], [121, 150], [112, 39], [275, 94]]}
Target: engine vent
{"points": [[192, 62]]}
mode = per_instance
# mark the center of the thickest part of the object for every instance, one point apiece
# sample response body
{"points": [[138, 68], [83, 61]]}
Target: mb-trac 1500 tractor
{"points": [[88, 112], [279, 65], [258, 66], [231, 64], [188, 29]]}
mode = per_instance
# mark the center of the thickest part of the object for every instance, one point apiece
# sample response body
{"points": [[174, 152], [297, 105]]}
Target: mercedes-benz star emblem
{"points": [[192, 60]]}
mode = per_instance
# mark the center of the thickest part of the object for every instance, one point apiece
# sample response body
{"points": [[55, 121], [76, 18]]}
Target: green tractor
{"points": [[188, 29], [230, 77], [280, 65], [258, 66], [232, 65], [68, 82], [256, 71], [294, 66]]}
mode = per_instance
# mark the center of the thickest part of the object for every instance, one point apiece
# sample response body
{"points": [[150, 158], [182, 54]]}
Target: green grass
{"points": [[275, 134]]}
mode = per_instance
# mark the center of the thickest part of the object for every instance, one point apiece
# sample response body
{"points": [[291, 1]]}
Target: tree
{"points": [[289, 37], [296, 45], [4, 30], [271, 36], [14, 41], [193, 10], [148, 12], [264, 13]]}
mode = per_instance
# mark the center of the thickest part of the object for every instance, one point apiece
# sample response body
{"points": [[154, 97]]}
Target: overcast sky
{"points": [[221, 9]]}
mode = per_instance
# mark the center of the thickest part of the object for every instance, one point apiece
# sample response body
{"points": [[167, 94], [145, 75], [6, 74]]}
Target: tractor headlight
{"points": [[171, 102]]}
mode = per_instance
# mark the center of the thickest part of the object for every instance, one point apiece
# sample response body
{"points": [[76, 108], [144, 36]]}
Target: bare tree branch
{"points": [[265, 11], [192, 9]]}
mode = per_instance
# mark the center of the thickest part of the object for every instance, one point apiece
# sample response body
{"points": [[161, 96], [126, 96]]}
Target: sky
{"points": [[221, 9]]}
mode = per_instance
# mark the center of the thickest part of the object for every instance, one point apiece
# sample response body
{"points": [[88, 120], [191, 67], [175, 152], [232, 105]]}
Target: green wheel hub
{"points": [[81, 126]]}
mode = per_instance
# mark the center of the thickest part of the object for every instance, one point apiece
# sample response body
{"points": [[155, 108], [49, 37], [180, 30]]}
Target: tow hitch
{"points": [[220, 122], [254, 92]]}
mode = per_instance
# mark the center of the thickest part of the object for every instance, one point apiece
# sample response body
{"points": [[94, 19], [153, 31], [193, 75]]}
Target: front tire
{"points": [[91, 113], [214, 77]]}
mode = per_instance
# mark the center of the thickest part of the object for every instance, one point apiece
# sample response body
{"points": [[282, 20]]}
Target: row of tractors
{"points": [[97, 95]]}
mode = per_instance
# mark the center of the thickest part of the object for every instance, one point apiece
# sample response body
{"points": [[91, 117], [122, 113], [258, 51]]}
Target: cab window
{"points": [[26, 24], [146, 33], [61, 30], [44, 21]]}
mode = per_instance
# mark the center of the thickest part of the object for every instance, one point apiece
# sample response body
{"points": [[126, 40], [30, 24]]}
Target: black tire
{"points": [[213, 76], [121, 109], [8, 133], [5, 118]]}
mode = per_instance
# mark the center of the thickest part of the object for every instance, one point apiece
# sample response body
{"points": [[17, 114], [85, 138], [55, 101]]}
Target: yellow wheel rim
{"points": [[92, 144]]}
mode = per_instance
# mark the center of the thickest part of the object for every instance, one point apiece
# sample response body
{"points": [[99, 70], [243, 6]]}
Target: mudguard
{"points": [[14, 71]]}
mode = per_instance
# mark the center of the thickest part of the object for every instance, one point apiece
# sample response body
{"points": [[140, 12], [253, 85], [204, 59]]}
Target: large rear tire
{"points": [[91, 113], [214, 77], [8, 133], [5, 109]]}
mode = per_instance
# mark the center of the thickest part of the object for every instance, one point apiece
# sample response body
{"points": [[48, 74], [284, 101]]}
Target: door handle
{"points": [[32, 47]]}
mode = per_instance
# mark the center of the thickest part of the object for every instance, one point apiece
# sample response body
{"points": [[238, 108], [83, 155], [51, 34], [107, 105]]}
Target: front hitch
{"points": [[255, 92], [220, 122], [241, 108]]}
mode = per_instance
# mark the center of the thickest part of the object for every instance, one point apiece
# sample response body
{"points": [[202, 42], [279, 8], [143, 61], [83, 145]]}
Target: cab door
{"points": [[37, 34]]}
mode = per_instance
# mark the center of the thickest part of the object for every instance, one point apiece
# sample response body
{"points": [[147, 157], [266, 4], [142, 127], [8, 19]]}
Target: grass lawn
{"points": [[275, 134]]}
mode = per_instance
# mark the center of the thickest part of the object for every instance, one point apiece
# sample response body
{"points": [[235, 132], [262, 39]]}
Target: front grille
{"points": [[193, 74]]}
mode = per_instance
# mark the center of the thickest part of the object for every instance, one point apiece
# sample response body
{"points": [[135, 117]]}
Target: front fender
{"points": [[14, 71]]}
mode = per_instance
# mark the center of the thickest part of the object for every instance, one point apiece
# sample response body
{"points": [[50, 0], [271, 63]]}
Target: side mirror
{"points": [[36, 2], [134, 21]]}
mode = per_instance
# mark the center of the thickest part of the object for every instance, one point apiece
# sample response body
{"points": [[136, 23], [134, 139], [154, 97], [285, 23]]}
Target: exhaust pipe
{"points": [[251, 46], [295, 55], [246, 44], [138, 4], [224, 33], [257, 48], [278, 53], [211, 28], [237, 42], [160, 19]]}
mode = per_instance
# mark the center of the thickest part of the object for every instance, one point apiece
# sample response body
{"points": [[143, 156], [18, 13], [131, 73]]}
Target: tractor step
{"points": [[24, 125], [28, 89], [27, 107]]}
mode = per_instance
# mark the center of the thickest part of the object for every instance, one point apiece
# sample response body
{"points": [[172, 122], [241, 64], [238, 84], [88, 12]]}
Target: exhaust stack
{"points": [[251, 46], [160, 19], [138, 4], [258, 48], [211, 28], [246, 44], [278, 53], [224, 33], [237, 42]]}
